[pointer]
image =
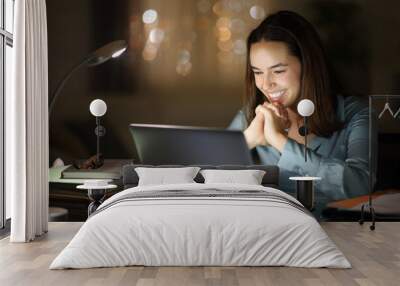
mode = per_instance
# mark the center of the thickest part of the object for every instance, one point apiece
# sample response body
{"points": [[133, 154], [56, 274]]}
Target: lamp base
{"points": [[305, 190], [91, 163], [305, 193]]}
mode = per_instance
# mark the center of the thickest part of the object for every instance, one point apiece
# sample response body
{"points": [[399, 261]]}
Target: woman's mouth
{"points": [[276, 96]]}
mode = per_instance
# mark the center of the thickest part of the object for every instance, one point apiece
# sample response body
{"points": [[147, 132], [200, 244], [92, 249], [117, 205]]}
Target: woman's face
{"points": [[277, 73]]}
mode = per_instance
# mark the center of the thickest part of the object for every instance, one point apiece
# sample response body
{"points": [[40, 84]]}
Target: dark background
{"points": [[360, 37]]}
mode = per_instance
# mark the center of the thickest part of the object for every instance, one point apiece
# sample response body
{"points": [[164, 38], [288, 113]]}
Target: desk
{"points": [[386, 204], [111, 169]]}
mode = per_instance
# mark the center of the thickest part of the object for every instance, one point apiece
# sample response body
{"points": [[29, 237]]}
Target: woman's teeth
{"points": [[276, 95]]}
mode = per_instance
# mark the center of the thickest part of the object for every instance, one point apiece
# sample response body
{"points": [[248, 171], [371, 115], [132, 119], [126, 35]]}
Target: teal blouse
{"points": [[341, 160]]}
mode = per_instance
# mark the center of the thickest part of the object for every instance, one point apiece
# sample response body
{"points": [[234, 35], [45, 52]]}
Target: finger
{"points": [[258, 108], [268, 105], [267, 112], [259, 114], [259, 117], [273, 108], [281, 109], [283, 112]]}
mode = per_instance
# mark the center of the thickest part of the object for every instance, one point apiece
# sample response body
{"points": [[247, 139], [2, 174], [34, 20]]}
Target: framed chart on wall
{"points": [[385, 115], [384, 158]]}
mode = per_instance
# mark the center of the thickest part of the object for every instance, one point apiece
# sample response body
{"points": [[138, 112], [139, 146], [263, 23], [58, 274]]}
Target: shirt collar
{"points": [[315, 142]]}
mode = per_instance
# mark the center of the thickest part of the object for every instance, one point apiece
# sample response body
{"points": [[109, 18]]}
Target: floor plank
{"points": [[375, 257]]}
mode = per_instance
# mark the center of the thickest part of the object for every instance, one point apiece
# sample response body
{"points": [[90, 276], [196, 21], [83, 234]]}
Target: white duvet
{"points": [[200, 231]]}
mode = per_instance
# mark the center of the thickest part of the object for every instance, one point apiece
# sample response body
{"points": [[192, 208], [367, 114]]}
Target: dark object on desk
{"points": [[89, 163], [271, 178], [111, 169], [166, 144]]}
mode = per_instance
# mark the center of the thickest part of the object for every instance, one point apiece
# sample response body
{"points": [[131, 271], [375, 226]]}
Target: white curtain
{"points": [[27, 123]]}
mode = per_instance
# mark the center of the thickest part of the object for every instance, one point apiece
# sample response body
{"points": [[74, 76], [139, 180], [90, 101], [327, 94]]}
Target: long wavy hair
{"points": [[304, 43]]}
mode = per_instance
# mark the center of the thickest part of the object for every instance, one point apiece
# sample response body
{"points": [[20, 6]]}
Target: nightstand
{"points": [[96, 195]]}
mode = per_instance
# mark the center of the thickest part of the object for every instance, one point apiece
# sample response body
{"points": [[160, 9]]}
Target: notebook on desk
{"points": [[111, 169]]}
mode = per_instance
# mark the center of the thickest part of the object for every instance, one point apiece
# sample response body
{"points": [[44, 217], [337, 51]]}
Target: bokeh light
{"points": [[257, 12], [156, 35], [239, 47], [238, 26], [184, 69], [223, 34], [218, 8], [184, 56], [225, 46], [204, 6], [223, 22], [235, 5], [150, 51], [149, 16]]}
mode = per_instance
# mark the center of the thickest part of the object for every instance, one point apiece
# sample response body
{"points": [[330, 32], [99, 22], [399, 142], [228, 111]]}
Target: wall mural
{"points": [[185, 65]]}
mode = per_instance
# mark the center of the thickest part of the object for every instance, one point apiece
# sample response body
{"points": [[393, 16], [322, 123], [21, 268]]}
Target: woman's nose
{"points": [[268, 83]]}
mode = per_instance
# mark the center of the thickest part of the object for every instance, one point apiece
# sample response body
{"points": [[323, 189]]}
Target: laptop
{"points": [[169, 144]]}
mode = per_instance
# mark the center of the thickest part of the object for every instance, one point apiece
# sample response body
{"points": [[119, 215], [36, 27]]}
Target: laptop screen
{"points": [[167, 144]]}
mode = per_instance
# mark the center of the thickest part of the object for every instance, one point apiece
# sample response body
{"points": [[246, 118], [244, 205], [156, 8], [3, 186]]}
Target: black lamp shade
{"points": [[98, 57]]}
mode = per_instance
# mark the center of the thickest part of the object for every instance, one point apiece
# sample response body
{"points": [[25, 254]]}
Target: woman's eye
{"points": [[279, 71], [257, 72]]}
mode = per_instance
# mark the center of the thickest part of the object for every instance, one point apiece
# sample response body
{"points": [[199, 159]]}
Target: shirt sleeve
{"points": [[238, 122], [341, 179]]}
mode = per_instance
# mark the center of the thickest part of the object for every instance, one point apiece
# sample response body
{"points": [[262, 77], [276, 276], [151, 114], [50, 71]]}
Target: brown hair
{"points": [[304, 43]]}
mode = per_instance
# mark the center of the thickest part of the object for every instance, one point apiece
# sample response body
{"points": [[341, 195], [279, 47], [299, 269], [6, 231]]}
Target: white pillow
{"points": [[248, 177], [162, 176]]}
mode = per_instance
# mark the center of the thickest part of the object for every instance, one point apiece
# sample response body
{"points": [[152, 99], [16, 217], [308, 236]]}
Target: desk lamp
{"points": [[305, 184], [305, 108], [99, 56], [98, 108]]}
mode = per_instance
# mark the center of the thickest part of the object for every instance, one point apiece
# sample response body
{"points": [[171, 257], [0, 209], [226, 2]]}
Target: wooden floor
{"points": [[375, 257]]}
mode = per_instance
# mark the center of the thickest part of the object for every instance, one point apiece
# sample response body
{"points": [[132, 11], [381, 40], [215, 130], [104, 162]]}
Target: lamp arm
{"points": [[60, 86], [305, 138], [98, 140]]}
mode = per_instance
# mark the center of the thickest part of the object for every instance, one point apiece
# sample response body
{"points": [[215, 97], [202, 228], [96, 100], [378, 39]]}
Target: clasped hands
{"points": [[268, 126]]}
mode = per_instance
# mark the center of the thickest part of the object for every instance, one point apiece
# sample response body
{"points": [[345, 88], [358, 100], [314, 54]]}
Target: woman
{"points": [[285, 64]]}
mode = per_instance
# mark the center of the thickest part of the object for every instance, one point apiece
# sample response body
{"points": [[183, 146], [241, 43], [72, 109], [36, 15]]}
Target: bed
{"points": [[201, 224]]}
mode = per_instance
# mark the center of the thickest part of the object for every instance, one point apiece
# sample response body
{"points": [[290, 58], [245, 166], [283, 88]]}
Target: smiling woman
{"points": [[285, 64], [291, 49]]}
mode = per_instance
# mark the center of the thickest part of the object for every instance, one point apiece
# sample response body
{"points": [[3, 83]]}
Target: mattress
{"points": [[201, 225]]}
